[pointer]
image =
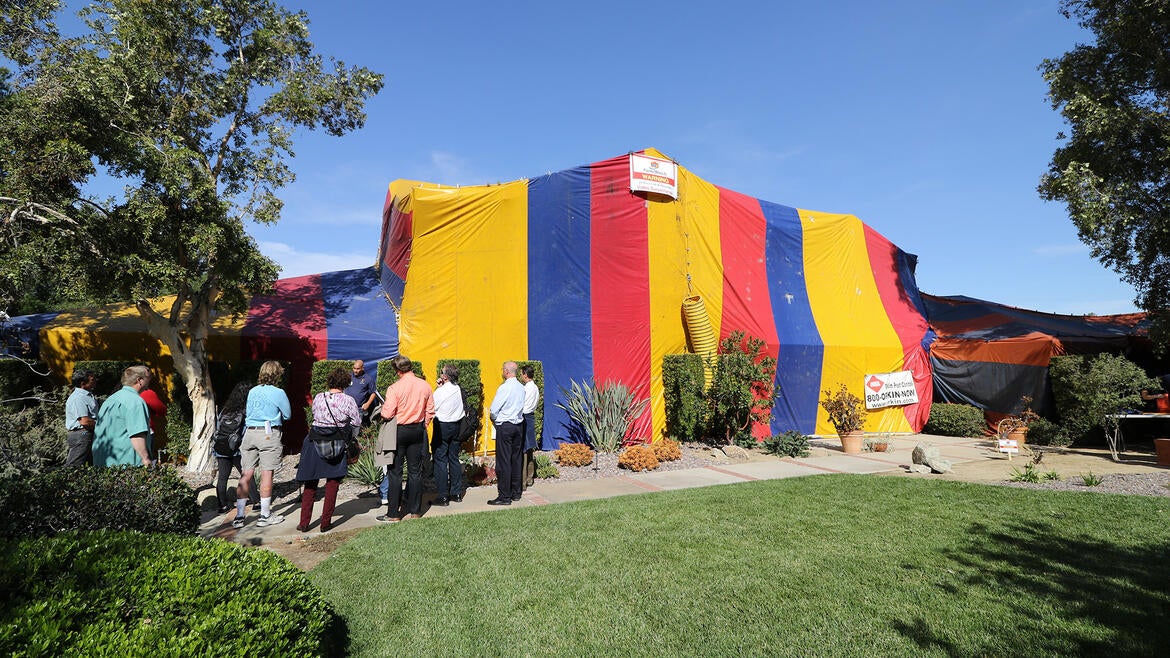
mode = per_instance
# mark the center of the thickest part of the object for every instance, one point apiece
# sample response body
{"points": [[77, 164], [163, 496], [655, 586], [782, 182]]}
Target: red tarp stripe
{"points": [[908, 323], [619, 264], [747, 303], [396, 253], [288, 324]]}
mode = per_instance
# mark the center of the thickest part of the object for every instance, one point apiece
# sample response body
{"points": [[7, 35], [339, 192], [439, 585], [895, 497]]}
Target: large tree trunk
{"points": [[190, 358]]}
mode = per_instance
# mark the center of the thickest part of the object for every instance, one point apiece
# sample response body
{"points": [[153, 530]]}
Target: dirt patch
{"points": [[308, 551]]}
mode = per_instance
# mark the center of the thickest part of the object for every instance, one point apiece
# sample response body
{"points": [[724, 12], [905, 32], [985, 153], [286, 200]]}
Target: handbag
{"points": [[332, 443]]}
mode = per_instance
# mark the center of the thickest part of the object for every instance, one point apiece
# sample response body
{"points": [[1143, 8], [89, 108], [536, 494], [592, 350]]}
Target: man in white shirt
{"points": [[531, 399], [445, 439], [507, 414]]}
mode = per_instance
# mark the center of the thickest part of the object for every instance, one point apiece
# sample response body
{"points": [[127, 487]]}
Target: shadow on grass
{"points": [[1089, 596]]}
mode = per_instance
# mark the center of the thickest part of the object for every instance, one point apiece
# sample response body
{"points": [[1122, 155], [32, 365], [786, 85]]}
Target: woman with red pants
{"points": [[333, 408]]}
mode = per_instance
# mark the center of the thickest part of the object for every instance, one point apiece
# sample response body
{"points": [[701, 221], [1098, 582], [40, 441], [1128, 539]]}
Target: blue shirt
{"points": [[81, 403], [508, 405], [361, 388], [267, 403], [123, 415]]}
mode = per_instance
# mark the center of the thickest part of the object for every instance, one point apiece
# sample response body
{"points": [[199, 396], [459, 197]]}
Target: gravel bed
{"points": [[607, 465], [1139, 484]]}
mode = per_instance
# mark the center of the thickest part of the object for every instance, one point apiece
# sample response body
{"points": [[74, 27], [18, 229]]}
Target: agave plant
{"points": [[604, 411]]}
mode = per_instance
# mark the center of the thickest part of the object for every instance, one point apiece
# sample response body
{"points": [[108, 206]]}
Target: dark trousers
{"points": [[509, 448], [79, 444], [225, 465], [448, 470], [412, 441], [529, 466], [310, 494]]}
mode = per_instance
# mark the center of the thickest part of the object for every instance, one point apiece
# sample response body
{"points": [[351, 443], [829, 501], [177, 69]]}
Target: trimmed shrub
{"points": [[538, 377], [131, 594], [122, 498], [947, 419], [109, 375], [574, 454], [667, 450], [387, 375], [1044, 432], [471, 381], [682, 380], [638, 458], [32, 439], [788, 444]]}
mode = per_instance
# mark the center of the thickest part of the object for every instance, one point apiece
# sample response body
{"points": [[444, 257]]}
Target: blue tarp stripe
{"points": [[798, 367], [559, 311], [359, 321]]}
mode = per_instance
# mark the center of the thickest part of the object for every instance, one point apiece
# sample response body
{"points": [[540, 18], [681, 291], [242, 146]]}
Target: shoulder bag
{"points": [[331, 442]]}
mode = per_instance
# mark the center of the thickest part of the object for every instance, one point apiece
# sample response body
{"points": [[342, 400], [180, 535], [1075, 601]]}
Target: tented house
{"points": [[587, 273]]}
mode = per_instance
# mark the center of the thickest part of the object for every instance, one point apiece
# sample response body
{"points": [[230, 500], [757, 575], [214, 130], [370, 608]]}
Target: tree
{"points": [[192, 104], [743, 390], [1113, 169]]}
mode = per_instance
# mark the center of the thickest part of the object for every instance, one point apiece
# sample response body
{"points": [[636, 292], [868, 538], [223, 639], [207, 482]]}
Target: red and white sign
{"points": [[655, 175], [890, 389], [1010, 446]]}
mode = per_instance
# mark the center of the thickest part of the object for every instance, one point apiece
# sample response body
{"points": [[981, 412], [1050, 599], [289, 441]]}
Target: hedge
{"points": [[949, 419], [126, 593], [683, 384], [121, 498]]}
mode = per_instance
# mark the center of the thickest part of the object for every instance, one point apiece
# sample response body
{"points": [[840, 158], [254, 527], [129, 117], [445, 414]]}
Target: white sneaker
{"points": [[385, 501], [238, 522], [271, 519]]}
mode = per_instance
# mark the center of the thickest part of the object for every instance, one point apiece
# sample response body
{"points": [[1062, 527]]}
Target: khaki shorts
{"points": [[258, 449]]}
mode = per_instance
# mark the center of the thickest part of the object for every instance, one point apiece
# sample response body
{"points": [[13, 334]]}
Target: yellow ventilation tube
{"points": [[703, 339]]}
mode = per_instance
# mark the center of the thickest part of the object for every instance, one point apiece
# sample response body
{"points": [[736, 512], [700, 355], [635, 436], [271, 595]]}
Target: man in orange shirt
{"points": [[410, 401]]}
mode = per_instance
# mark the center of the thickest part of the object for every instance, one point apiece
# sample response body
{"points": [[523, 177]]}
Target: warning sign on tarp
{"points": [[656, 175], [890, 389]]}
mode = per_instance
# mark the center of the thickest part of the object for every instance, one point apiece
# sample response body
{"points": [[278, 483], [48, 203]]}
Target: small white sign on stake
{"points": [[1010, 446]]}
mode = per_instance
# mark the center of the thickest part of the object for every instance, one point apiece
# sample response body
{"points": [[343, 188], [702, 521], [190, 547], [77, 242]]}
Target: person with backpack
{"points": [[225, 445]]}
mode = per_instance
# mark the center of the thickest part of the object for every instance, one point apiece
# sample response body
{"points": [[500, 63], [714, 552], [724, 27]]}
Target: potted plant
{"points": [[847, 414], [1015, 427]]}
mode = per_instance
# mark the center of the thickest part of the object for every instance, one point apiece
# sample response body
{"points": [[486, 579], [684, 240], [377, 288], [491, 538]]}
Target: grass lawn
{"points": [[825, 565]]}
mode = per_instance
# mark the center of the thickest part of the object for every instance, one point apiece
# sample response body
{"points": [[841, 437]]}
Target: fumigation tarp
{"points": [[576, 271], [991, 355]]}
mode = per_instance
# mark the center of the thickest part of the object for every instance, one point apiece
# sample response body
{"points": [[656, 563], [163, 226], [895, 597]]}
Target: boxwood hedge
{"points": [[125, 498], [125, 593]]}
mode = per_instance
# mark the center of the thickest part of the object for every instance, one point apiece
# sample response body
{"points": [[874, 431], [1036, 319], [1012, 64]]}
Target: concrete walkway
{"points": [[826, 457]]}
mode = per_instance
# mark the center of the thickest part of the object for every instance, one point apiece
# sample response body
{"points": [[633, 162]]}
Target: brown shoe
{"points": [[412, 516]]}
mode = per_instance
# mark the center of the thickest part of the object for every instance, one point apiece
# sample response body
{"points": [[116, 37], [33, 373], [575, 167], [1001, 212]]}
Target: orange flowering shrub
{"points": [[638, 458], [667, 450], [574, 454]]}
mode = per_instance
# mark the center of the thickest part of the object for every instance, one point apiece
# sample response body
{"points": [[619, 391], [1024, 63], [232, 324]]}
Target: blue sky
{"points": [[928, 120]]}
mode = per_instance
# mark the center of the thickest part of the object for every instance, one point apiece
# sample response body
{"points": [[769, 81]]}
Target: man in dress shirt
{"points": [[507, 413], [445, 442], [410, 401]]}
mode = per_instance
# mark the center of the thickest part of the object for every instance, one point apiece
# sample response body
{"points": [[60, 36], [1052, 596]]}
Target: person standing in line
{"points": [[267, 409], [122, 425], [531, 399], [80, 411], [363, 389], [410, 401], [449, 413], [225, 445], [332, 408], [507, 414]]}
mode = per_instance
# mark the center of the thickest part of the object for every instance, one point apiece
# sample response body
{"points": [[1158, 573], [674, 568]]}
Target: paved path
{"points": [[357, 512]]}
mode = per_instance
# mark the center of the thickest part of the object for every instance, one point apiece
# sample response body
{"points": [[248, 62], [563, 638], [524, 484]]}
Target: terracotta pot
{"points": [[1019, 436], [1162, 446], [851, 442]]}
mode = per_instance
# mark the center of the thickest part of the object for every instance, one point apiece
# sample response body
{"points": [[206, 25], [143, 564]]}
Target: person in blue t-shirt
{"points": [[267, 409]]}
